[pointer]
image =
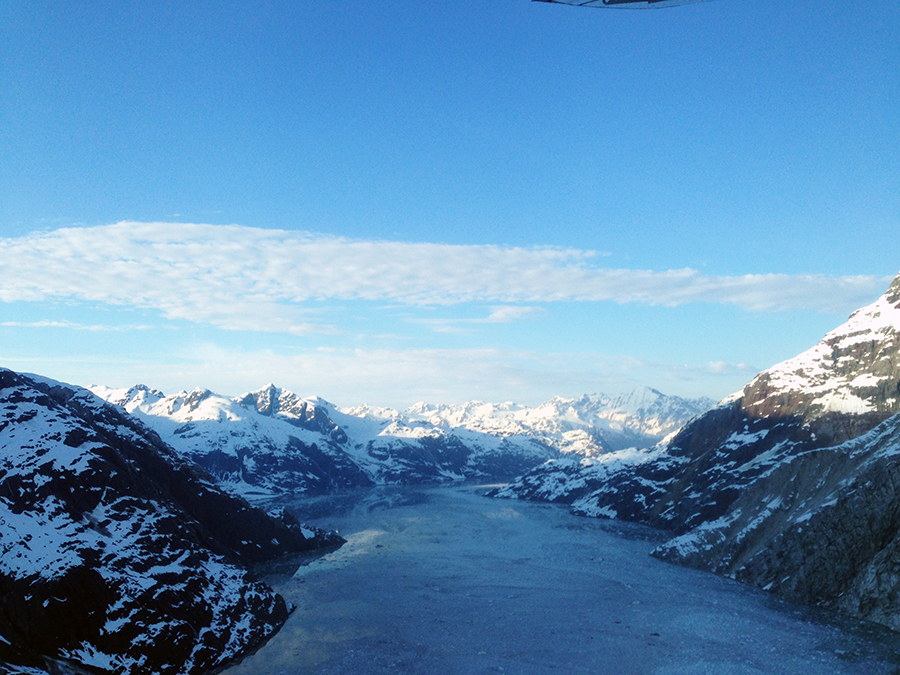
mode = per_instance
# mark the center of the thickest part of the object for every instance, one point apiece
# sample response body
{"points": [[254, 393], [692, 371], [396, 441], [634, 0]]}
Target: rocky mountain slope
{"points": [[271, 441], [118, 555], [287, 445], [795, 468], [823, 527]]}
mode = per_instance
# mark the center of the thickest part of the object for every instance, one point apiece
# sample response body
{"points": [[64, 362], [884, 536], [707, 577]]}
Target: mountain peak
{"points": [[265, 399], [893, 292], [118, 555], [270, 389], [131, 398], [854, 369], [270, 400]]}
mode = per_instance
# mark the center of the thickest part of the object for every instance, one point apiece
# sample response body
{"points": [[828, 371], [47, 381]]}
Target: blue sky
{"points": [[396, 201]]}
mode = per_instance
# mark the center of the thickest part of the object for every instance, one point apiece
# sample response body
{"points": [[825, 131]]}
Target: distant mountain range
{"points": [[271, 441], [591, 425], [123, 549], [789, 484]]}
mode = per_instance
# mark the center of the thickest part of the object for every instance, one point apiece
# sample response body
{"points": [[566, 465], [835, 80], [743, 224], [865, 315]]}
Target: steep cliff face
{"points": [[854, 371], [790, 484], [836, 391], [822, 527], [841, 388], [116, 554], [273, 401]]}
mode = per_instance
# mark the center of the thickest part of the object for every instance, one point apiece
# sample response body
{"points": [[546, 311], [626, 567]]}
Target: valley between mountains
{"points": [[129, 519], [271, 442]]}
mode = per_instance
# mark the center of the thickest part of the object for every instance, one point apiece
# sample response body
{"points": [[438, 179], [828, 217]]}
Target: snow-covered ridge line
{"points": [[789, 484], [270, 441], [116, 553], [853, 369], [641, 412]]}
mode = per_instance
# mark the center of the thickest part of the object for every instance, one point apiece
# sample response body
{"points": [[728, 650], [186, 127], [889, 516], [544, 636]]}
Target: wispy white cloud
{"points": [[499, 314], [507, 313], [48, 323], [245, 278]]}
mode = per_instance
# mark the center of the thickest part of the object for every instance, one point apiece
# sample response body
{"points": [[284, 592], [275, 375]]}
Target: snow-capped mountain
{"points": [[246, 443], [591, 425], [271, 441], [801, 442], [823, 527], [853, 371], [118, 555]]}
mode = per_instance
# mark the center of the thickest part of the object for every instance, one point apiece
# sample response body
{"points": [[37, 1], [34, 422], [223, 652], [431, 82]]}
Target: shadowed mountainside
{"points": [[788, 484], [118, 555]]}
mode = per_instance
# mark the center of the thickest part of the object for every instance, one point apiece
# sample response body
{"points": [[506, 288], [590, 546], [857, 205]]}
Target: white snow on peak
{"points": [[589, 425], [830, 371], [128, 398], [195, 420], [199, 423]]}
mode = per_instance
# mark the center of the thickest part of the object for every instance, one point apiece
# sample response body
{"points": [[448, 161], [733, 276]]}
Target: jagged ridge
{"points": [[271, 441], [118, 555], [789, 484]]}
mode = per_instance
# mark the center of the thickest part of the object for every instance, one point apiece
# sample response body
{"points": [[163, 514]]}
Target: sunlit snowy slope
{"points": [[272, 442], [590, 425], [790, 483], [117, 554]]}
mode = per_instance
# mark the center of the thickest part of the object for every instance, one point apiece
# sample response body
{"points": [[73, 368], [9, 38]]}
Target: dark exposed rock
{"points": [[116, 554], [272, 401], [791, 484], [822, 528]]}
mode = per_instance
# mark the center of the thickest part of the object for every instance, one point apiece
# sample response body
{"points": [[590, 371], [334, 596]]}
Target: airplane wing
{"points": [[631, 4]]}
